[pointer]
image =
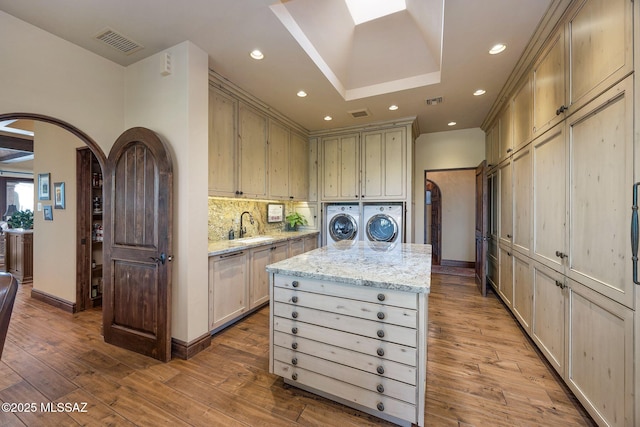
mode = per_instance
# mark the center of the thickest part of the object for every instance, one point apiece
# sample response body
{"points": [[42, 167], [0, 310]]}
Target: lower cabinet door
{"points": [[522, 290], [601, 355], [227, 288]]}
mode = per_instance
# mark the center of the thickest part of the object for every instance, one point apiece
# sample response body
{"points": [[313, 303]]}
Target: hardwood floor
{"points": [[482, 371]]}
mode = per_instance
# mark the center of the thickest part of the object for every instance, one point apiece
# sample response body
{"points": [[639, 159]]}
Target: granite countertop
{"points": [[227, 246], [400, 266]]}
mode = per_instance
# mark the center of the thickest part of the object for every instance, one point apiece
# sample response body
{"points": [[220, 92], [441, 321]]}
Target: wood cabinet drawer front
{"points": [[359, 293], [377, 366], [367, 328], [366, 310], [382, 384], [370, 346], [374, 400]]}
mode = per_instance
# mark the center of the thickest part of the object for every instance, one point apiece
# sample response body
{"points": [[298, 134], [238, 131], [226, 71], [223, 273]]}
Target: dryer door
{"points": [[343, 227], [382, 228]]}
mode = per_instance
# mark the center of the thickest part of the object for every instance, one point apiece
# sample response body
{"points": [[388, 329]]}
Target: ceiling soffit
{"points": [[393, 53]]}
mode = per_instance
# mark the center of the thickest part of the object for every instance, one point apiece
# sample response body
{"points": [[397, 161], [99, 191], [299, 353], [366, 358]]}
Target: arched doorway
{"points": [[67, 304], [433, 220]]}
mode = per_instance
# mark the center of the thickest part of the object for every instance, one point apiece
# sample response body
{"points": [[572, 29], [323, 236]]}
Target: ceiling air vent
{"points": [[434, 101], [357, 114], [118, 41]]}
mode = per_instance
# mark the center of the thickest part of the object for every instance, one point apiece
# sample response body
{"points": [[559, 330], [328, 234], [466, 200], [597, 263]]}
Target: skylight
{"points": [[368, 10]]}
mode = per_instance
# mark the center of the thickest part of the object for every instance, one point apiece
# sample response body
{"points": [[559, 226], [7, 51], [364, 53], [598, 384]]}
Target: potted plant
{"points": [[21, 219], [294, 219]]}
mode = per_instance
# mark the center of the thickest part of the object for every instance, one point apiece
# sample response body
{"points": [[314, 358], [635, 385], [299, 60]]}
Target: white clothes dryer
{"points": [[342, 222], [383, 223]]}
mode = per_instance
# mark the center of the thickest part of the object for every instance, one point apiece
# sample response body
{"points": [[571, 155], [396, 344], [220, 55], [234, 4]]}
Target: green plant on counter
{"points": [[21, 219], [294, 219]]}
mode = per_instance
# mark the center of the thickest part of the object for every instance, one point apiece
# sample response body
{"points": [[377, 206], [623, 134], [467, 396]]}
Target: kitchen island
{"points": [[349, 323]]}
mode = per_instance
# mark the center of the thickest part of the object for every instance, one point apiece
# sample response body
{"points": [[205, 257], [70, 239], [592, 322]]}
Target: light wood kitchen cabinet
{"points": [[549, 86], [341, 167], [522, 114], [523, 290], [383, 165], [505, 132], [279, 140], [522, 193], [505, 176], [601, 358], [252, 139], [223, 149], [492, 146], [313, 170], [505, 282], [259, 258], [310, 242], [299, 168], [228, 278], [296, 247]]}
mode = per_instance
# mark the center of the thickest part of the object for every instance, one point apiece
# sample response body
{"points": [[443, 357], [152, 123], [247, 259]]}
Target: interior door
{"points": [[481, 227], [137, 244]]}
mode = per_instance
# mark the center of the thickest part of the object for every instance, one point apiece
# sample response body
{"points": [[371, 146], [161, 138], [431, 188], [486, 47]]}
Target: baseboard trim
{"points": [[68, 306], [185, 351], [453, 263]]}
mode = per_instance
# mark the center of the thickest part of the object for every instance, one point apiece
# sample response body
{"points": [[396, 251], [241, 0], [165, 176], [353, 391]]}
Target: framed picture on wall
{"points": [[44, 190], [48, 213], [58, 195]]}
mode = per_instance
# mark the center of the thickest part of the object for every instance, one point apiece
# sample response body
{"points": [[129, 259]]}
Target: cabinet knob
{"points": [[380, 406], [561, 110], [380, 388], [380, 333], [561, 255], [294, 377], [380, 352], [381, 315], [380, 370], [295, 284], [560, 284], [294, 361], [509, 150], [509, 236], [294, 299], [294, 314], [294, 345], [294, 331], [381, 297]]}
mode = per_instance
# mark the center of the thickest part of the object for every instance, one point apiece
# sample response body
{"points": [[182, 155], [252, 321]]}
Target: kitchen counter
{"points": [[227, 246], [400, 266], [349, 323]]}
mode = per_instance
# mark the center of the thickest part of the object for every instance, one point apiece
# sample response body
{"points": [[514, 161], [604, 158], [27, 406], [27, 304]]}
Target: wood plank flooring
{"points": [[482, 371]]}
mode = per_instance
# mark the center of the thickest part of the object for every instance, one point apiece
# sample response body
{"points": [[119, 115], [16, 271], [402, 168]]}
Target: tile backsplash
{"points": [[224, 214]]}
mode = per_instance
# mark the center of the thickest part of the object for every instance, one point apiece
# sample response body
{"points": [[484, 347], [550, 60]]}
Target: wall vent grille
{"points": [[434, 101], [357, 114], [118, 41]]}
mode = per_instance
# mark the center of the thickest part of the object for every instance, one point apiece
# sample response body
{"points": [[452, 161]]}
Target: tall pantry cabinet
{"points": [[564, 198]]}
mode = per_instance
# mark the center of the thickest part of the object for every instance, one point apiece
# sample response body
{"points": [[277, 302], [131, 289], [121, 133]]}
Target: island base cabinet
{"points": [[362, 347], [601, 355]]}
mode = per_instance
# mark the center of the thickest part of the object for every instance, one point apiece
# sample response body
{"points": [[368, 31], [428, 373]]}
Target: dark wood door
{"points": [[137, 243], [481, 227]]}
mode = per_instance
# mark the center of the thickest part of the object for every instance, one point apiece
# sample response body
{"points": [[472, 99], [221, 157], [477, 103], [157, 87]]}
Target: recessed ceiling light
{"points": [[500, 47], [479, 92], [256, 54], [302, 94], [452, 123], [393, 107], [327, 118]]}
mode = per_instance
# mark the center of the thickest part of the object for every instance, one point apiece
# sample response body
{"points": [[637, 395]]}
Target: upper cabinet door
{"points": [[253, 152], [549, 99], [299, 167], [278, 160], [222, 144], [600, 35], [522, 114], [505, 129]]}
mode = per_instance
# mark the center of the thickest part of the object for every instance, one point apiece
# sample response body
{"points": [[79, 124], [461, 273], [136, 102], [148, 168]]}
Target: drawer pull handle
{"points": [[380, 406], [294, 314], [380, 352], [381, 333], [294, 331], [294, 377], [294, 361], [380, 370], [381, 315], [295, 284], [380, 388], [294, 346], [294, 299], [381, 297]]}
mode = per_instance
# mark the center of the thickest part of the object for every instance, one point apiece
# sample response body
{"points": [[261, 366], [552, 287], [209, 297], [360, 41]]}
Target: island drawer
{"points": [[361, 293], [367, 328], [370, 399], [377, 366], [369, 346], [365, 310]]}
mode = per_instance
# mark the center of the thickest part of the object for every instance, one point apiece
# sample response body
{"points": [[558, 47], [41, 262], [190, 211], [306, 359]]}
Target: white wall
{"points": [[176, 107], [54, 248], [442, 150]]}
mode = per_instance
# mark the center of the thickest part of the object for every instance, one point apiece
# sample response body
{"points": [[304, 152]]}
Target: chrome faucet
{"points": [[243, 230]]}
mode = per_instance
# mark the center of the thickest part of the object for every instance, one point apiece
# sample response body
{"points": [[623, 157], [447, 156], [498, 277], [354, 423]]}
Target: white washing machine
{"points": [[342, 222], [383, 223]]}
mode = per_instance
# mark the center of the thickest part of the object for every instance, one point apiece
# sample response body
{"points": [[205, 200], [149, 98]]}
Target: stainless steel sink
{"points": [[251, 240]]}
